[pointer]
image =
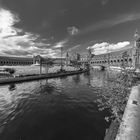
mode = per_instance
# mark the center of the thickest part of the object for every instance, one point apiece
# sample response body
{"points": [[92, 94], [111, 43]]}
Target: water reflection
{"points": [[12, 87], [76, 78], [53, 109], [98, 79]]}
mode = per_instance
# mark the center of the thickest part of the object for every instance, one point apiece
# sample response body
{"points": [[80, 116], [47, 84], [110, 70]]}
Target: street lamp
{"points": [[89, 56], [61, 48], [108, 57]]}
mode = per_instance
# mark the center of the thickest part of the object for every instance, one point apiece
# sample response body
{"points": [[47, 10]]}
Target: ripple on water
{"points": [[53, 109]]}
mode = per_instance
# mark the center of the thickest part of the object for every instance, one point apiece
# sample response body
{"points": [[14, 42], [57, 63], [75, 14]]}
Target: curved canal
{"points": [[55, 109]]}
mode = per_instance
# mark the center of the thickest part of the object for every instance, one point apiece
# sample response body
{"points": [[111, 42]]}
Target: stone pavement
{"points": [[130, 125]]}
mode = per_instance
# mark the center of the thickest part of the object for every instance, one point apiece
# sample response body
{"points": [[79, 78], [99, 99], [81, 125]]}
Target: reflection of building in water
{"points": [[76, 78], [97, 79], [11, 96]]}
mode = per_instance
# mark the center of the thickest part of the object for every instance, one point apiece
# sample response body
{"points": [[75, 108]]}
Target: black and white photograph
{"points": [[69, 69]]}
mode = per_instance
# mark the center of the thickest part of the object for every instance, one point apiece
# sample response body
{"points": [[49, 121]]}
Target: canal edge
{"points": [[129, 128], [38, 77]]}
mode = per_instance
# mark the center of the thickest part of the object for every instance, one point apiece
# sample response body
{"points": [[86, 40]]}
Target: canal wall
{"points": [[98, 67], [130, 126], [32, 69], [112, 131], [38, 77]]}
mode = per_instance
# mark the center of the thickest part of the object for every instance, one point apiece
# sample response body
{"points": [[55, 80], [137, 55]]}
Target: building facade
{"points": [[20, 61], [128, 57], [5, 60], [113, 58]]}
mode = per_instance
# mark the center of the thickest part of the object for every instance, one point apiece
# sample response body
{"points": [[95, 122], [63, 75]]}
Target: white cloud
{"points": [[19, 45], [104, 47], [73, 48], [7, 20], [72, 30], [60, 44]]}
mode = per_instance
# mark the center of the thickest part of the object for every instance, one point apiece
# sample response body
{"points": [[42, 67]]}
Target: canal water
{"points": [[55, 109]]}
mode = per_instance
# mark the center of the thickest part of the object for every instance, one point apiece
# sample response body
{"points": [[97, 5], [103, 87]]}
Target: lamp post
{"points": [[89, 57], [108, 58], [40, 65], [61, 59]]}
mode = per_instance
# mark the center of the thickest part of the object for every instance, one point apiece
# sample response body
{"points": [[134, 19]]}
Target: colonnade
{"points": [[15, 61]]}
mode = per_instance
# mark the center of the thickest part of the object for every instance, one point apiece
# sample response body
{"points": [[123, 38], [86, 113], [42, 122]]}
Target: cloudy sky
{"points": [[30, 27]]}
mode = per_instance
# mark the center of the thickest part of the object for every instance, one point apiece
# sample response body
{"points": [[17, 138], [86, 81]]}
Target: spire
{"points": [[78, 56], [136, 35], [67, 54]]}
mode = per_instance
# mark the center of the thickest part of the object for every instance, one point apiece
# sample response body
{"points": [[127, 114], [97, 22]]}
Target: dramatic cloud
{"points": [[7, 20], [29, 27], [104, 47], [11, 43], [32, 50]]}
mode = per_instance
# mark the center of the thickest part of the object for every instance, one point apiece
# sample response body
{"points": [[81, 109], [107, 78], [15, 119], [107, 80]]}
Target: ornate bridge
{"points": [[117, 59], [127, 58]]}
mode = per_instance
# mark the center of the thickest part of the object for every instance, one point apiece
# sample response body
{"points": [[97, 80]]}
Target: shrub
{"points": [[116, 92], [10, 70]]}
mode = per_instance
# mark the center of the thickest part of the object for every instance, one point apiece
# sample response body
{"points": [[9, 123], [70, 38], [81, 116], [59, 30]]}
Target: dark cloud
{"points": [[104, 2]]}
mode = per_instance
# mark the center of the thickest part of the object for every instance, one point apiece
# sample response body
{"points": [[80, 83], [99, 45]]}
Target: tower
{"points": [[90, 55], [136, 51], [136, 36], [67, 59]]}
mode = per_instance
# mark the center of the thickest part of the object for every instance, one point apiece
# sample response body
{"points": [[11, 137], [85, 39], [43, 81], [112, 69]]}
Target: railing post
{"points": [[40, 60]]}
